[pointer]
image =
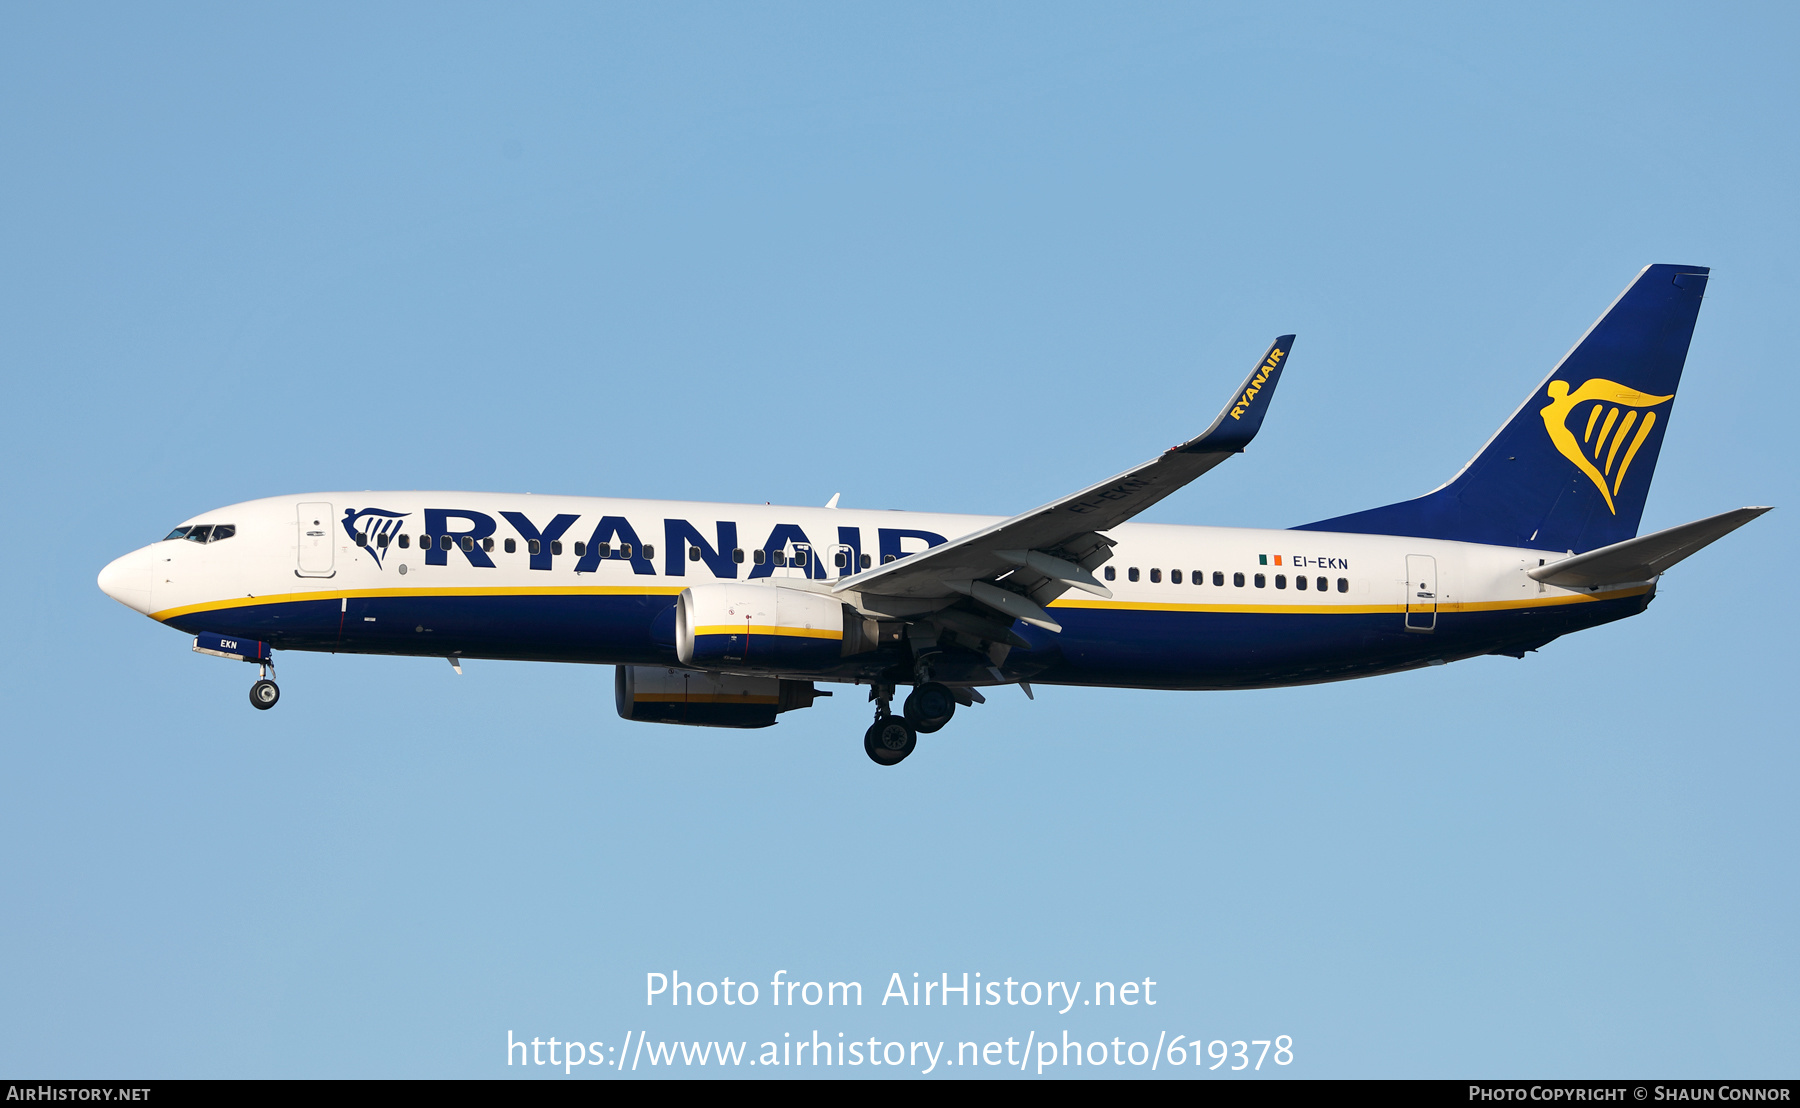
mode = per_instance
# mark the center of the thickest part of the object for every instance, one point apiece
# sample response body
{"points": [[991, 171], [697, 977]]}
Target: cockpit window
{"points": [[203, 532]]}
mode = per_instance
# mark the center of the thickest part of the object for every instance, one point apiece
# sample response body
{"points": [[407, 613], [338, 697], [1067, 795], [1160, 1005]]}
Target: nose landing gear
{"points": [[264, 693]]}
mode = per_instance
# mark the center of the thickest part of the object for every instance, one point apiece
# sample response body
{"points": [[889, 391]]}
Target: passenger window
{"points": [[601, 549], [1281, 580], [488, 545], [1219, 578], [178, 533], [1238, 580], [649, 551], [886, 558], [405, 541], [1112, 574], [799, 557], [555, 546], [1323, 584], [625, 551], [445, 542], [1300, 583], [1261, 581], [223, 531], [362, 538], [759, 556], [693, 553], [381, 541], [1174, 577], [841, 559], [867, 560], [512, 546], [779, 557], [468, 543], [1343, 584], [738, 555], [1132, 573], [1156, 576], [581, 550], [534, 546]]}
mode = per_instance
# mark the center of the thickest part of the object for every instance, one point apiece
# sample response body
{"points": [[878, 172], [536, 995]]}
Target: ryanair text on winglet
{"points": [[1256, 383]]}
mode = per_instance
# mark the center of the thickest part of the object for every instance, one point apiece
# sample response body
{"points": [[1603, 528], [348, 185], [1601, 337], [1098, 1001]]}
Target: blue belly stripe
{"points": [[1126, 648]]}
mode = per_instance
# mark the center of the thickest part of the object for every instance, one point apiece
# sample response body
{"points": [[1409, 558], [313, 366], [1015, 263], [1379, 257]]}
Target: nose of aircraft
{"points": [[127, 580]]}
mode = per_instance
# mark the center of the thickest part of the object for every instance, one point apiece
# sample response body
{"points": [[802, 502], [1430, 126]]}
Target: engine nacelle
{"points": [[660, 694], [755, 626]]}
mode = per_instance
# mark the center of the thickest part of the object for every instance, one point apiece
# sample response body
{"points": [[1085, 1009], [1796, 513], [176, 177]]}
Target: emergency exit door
{"points": [[314, 524], [1421, 592], [798, 562]]}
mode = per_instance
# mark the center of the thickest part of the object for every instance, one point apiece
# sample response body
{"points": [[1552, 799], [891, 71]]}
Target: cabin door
{"points": [[314, 525], [1421, 592]]}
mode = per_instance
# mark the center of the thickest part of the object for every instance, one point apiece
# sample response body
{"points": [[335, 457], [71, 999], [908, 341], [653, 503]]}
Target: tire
{"points": [[263, 695], [889, 740], [929, 707]]}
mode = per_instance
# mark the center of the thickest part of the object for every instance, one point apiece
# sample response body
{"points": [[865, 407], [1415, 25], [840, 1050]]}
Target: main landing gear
{"points": [[889, 740], [264, 693], [929, 707], [892, 737]]}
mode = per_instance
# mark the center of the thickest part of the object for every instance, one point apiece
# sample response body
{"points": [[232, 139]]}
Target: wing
{"points": [[1020, 564]]}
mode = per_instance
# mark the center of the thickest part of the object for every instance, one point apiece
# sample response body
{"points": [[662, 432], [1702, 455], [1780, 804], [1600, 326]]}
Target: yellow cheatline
{"points": [[362, 594], [762, 629], [825, 633]]}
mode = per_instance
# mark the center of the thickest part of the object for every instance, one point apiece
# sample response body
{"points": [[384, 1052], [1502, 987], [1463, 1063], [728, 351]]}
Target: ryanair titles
{"points": [[470, 535], [1242, 404]]}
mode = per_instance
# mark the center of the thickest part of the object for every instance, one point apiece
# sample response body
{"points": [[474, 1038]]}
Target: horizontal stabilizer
{"points": [[1641, 559]]}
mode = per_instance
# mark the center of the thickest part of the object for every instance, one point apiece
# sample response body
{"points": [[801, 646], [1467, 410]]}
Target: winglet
{"points": [[1243, 416]]}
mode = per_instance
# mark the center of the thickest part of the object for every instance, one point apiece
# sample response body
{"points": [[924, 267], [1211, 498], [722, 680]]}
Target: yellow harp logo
{"points": [[1608, 399]]}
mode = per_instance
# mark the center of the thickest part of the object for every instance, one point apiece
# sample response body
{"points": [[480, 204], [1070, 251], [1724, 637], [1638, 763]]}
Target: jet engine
{"points": [[660, 694], [741, 626]]}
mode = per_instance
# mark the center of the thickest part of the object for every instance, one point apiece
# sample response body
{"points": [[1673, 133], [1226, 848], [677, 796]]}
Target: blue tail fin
{"points": [[1572, 468]]}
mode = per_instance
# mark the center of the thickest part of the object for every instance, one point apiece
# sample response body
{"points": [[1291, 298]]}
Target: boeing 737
{"points": [[727, 615]]}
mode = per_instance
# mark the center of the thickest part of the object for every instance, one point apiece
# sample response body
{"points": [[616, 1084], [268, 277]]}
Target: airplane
{"points": [[728, 615]]}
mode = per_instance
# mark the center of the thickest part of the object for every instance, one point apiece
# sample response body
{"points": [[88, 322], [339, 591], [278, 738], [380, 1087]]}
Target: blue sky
{"points": [[952, 257]]}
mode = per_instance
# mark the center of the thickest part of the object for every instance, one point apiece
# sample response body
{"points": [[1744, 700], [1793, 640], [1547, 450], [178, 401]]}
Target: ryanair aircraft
{"points": [[727, 615]]}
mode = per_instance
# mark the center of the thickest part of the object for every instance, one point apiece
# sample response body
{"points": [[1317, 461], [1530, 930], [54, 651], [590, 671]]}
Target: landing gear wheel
{"points": [[929, 707], [889, 740], [264, 694]]}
